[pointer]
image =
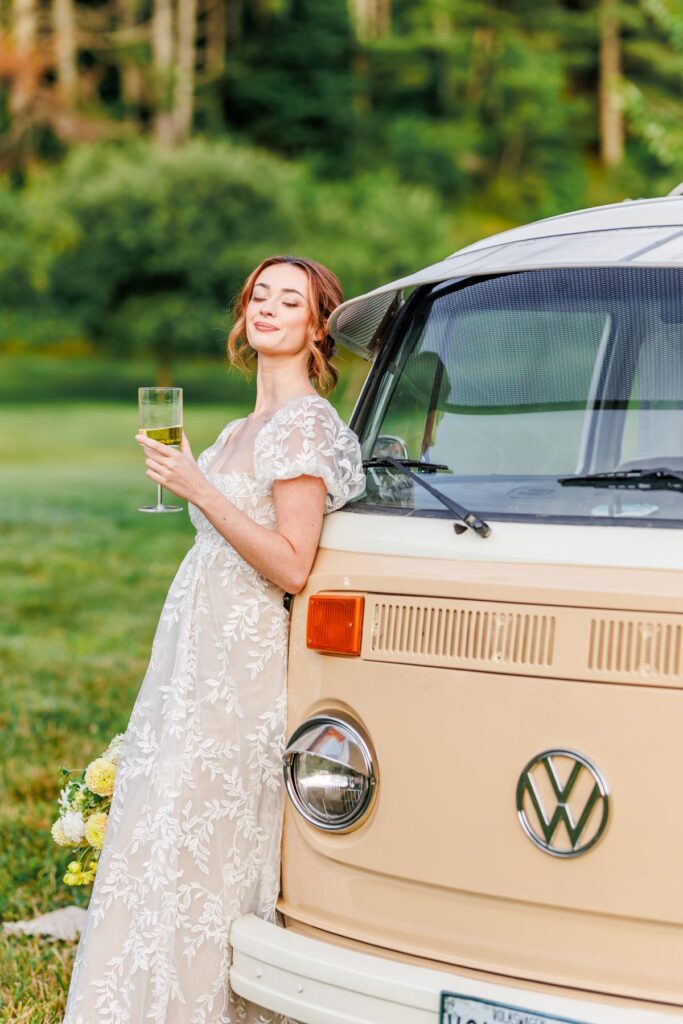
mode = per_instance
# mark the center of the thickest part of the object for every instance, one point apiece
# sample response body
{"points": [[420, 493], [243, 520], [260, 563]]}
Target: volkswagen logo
{"points": [[562, 802]]}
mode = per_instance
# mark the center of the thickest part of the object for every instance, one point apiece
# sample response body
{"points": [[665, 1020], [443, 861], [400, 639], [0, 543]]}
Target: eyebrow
{"points": [[261, 284]]}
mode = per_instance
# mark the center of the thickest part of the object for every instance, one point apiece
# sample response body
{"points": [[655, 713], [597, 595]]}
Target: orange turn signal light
{"points": [[335, 623]]}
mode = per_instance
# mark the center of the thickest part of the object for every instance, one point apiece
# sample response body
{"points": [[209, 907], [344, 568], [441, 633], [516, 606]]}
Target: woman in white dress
{"points": [[193, 838]]}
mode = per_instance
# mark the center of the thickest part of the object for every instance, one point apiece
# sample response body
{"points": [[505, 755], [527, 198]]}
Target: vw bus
{"points": [[485, 756]]}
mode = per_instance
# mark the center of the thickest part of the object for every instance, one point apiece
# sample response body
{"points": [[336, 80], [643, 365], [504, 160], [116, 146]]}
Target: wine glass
{"points": [[161, 418]]}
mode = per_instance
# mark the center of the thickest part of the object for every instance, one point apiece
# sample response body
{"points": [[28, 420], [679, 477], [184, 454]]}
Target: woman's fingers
{"points": [[149, 442], [185, 447]]}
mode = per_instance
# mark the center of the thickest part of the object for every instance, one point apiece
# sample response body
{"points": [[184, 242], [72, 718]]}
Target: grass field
{"points": [[83, 576]]}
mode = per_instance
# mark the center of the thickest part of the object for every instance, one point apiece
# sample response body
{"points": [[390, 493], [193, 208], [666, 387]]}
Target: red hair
{"points": [[325, 295]]}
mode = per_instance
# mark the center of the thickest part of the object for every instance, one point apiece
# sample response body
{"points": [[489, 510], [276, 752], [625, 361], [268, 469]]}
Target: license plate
{"points": [[456, 1009]]}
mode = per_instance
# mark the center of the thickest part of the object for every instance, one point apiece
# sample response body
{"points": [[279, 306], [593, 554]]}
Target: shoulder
{"points": [[306, 406], [307, 437], [310, 416]]}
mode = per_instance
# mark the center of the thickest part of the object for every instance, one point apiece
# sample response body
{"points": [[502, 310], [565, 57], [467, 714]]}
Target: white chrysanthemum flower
{"points": [[73, 826], [58, 833]]}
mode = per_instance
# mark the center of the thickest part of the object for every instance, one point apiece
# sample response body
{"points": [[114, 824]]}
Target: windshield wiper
{"points": [[430, 467], [468, 520], [661, 479]]}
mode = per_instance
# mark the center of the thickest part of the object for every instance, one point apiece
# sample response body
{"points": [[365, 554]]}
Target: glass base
{"points": [[161, 508]]}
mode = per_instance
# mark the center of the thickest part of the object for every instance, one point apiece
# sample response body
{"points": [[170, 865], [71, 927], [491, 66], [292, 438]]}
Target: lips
{"points": [[261, 326]]}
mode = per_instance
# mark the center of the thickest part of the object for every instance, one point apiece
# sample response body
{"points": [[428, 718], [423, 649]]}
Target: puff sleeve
{"points": [[307, 437]]}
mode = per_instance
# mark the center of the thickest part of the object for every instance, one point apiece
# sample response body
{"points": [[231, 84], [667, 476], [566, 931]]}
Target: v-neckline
{"points": [[225, 434], [223, 438]]}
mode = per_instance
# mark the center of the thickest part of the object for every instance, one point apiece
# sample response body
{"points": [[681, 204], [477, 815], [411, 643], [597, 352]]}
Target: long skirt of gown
{"points": [[193, 837]]}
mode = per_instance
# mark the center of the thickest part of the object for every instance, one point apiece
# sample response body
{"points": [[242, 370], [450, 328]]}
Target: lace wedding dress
{"points": [[193, 837]]}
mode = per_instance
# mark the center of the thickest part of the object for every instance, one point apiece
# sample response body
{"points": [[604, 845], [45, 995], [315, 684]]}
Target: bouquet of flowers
{"points": [[84, 803]]}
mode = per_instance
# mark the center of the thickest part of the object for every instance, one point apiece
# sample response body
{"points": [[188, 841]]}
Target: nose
{"points": [[265, 305]]}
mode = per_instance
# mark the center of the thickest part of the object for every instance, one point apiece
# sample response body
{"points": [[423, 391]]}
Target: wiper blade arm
{"points": [[661, 479], [430, 467], [467, 520]]}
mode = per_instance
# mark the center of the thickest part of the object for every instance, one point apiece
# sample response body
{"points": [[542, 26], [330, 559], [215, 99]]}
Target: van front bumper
{"points": [[317, 982]]}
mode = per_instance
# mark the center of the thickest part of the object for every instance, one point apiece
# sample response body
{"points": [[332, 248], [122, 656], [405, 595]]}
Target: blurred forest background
{"points": [[153, 151]]}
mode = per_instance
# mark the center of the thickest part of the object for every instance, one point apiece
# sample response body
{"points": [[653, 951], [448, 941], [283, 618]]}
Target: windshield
{"points": [[515, 381]]}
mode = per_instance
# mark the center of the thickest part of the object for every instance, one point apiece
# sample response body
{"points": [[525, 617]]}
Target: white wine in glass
{"points": [[161, 418]]}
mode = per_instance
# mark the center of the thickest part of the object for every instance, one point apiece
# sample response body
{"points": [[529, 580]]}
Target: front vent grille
{"points": [[462, 633], [636, 646], [640, 649]]}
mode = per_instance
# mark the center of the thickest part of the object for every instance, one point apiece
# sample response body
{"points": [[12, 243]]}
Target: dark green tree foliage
{"points": [[653, 87], [291, 84], [472, 95]]}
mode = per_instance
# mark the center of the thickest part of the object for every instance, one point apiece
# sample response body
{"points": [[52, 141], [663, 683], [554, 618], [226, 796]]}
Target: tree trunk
{"points": [[383, 17], [233, 23], [64, 23], [215, 28], [24, 32], [611, 115], [362, 16], [132, 89], [162, 58], [187, 55]]}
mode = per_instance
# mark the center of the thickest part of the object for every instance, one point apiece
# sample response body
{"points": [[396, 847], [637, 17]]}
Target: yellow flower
{"points": [[99, 776], [76, 878], [95, 828], [58, 834]]}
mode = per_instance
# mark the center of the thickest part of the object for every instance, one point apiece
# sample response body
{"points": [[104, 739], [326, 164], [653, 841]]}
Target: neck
{"points": [[277, 383]]}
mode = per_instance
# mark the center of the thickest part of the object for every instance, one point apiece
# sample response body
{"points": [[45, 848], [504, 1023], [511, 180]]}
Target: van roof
{"points": [[636, 233]]}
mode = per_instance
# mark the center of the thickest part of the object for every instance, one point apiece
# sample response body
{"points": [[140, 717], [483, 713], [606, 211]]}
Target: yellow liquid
{"points": [[167, 435]]}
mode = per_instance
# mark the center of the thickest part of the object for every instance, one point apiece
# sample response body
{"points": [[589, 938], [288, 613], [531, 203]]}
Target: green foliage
{"points": [[292, 85], [653, 87], [37, 378], [151, 245]]}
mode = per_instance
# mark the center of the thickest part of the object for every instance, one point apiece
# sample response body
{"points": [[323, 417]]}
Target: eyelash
{"points": [[260, 298]]}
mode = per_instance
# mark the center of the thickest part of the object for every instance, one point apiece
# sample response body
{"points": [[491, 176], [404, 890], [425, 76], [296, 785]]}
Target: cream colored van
{"points": [[485, 757]]}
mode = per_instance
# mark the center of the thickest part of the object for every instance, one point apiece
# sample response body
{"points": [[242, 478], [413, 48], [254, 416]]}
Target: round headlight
{"points": [[329, 773]]}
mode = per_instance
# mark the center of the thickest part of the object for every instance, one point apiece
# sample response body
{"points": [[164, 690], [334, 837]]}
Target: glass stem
{"points": [[159, 499]]}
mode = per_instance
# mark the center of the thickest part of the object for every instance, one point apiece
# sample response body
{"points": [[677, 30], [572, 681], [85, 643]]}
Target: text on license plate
{"points": [[457, 1009]]}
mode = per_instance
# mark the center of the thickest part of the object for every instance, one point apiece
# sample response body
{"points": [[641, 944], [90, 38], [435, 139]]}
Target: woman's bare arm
{"points": [[284, 555]]}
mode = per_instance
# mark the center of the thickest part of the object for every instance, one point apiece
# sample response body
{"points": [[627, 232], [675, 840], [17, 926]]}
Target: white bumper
{"points": [[320, 983]]}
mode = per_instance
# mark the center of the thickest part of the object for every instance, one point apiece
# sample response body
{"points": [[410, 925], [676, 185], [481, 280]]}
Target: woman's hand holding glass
{"points": [[173, 468]]}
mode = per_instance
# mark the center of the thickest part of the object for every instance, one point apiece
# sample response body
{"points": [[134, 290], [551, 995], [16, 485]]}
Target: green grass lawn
{"points": [[83, 576]]}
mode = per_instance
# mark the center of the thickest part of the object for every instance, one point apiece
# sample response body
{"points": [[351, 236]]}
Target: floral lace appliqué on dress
{"points": [[193, 839]]}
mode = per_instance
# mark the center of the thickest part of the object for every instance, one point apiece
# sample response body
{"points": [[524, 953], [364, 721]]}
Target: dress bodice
{"points": [[304, 437]]}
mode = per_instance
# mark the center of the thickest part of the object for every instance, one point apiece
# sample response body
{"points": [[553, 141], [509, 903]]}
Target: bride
{"points": [[193, 837]]}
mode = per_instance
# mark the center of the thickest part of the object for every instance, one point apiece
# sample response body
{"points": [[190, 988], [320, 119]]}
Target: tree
{"points": [[163, 53], [653, 88], [24, 39], [154, 243], [610, 101], [183, 107], [64, 22], [290, 86]]}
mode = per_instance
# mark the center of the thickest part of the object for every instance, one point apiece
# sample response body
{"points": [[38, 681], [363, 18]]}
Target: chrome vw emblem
{"points": [[563, 818]]}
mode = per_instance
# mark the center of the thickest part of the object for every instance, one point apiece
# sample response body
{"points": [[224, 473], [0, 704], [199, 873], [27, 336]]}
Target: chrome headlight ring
{"points": [[330, 773]]}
